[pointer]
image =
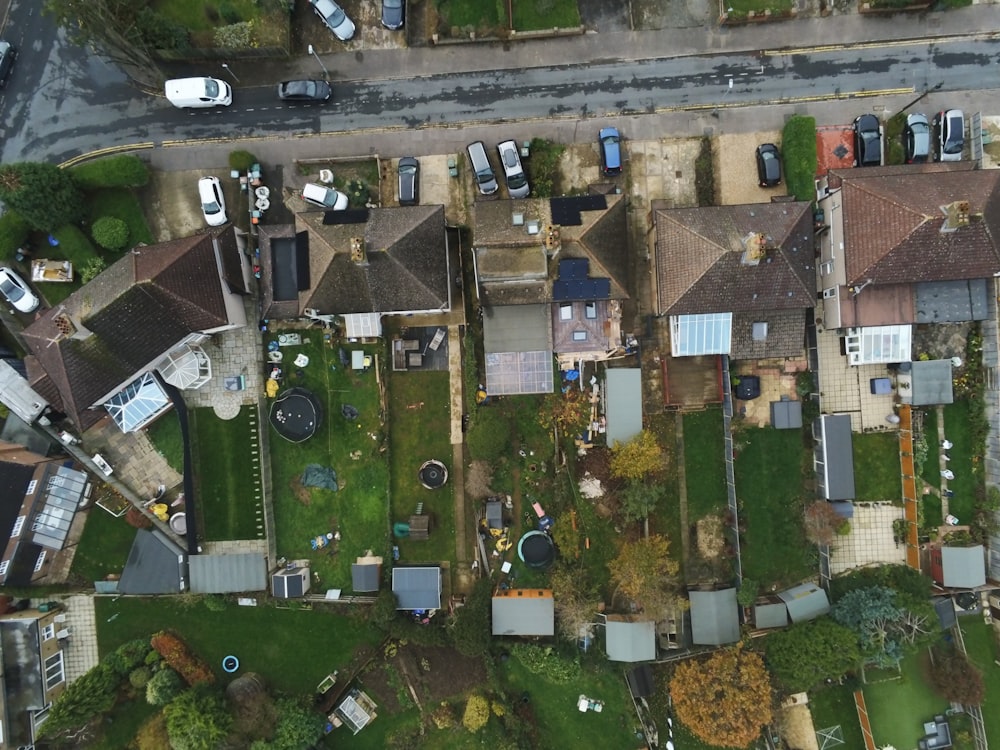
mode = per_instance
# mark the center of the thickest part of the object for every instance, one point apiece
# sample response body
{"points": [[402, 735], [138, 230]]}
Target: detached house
{"points": [[109, 347]]}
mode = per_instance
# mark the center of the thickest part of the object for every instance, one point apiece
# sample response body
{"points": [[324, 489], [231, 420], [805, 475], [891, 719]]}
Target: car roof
{"points": [[608, 131]]}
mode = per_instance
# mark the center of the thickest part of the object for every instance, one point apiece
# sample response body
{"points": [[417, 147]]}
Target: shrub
{"points": [[139, 677], [163, 687], [543, 165], [110, 233], [358, 193], [241, 160], [91, 269], [546, 663], [43, 194], [443, 716], [128, 656], [89, 697], [235, 36], [798, 146], [124, 170], [477, 713], [175, 653], [14, 232], [74, 245]]}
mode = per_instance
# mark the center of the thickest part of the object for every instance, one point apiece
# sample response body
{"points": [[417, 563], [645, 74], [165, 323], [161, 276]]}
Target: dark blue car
{"points": [[611, 152]]}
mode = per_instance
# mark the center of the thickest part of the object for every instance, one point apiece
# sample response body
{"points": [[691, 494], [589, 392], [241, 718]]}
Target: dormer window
{"points": [[590, 311], [566, 311]]}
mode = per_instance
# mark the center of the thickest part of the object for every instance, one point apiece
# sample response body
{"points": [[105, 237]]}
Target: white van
{"points": [[198, 92], [486, 179]]}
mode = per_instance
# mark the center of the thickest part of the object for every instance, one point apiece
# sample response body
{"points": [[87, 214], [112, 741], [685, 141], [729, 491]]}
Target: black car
{"points": [[768, 165], [867, 141], [392, 14], [408, 171], [7, 56], [304, 91]]}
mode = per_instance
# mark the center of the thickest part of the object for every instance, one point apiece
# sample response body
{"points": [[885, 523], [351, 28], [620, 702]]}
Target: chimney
{"points": [[754, 249], [70, 326], [956, 215], [553, 240], [358, 255]]}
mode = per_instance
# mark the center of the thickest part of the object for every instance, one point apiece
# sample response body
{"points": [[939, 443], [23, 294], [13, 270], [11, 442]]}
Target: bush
{"points": [[124, 170], [235, 36], [14, 232], [163, 687], [175, 653], [241, 161], [128, 656], [543, 166], [477, 713], [546, 663], [798, 146], [89, 697], [139, 678], [110, 233], [443, 716], [91, 269], [74, 245]]}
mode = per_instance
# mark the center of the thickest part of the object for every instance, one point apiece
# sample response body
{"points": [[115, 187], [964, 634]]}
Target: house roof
{"points": [[406, 266], [835, 448], [518, 344], [701, 256], [123, 321], [963, 567], [155, 565], [524, 612], [807, 601], [715, 618], [228, 574], [364, 577], [630, 641], [894, 224], [624, 406], [783, 334], [417, 587], [23, 685], [770, 615]]}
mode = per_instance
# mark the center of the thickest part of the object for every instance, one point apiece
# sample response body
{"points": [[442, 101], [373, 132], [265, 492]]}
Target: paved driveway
{"points": [[736, 168]]}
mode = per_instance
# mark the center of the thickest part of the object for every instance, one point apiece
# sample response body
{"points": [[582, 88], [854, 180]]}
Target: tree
{"points": [[87, 698], [886, 622], [44, 195], [956, 678], [298, 727], [638, 458], [477, 713], [822, 523], [576, 599], [471, 629], [644, 573], [110, 233], [197, 719], [639, 499], [725, 699], [14, 232], [810, 652], [569, 411]]}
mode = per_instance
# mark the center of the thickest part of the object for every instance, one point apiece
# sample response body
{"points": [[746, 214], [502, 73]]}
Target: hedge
{"points": [[14, 232], [175, 653], [798, 146], [124, 170]]}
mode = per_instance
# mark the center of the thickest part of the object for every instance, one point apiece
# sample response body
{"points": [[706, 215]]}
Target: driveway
{"points": [[736, 168]]}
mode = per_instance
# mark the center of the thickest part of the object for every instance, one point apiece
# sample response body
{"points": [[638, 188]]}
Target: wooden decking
{"points": [[910, 496], [866, 727]]}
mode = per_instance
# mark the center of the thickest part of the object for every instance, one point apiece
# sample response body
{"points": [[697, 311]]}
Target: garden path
{"points": [[682, 487]]}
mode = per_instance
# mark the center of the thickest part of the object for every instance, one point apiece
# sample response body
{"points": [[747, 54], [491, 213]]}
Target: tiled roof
{"points": [[893, 226], [786, 334], [699, 258]]}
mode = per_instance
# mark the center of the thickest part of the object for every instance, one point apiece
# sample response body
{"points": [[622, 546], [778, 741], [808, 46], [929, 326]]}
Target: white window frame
{"points": [[3, 567], [49, 632], [18, 526], [590, 310], [830, 293], [566, 311], [57, 662], [826, 267], [31, 487], [40, 561], [580, 336]]}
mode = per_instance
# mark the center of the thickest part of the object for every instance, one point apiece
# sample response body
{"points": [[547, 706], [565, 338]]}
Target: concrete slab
{"points": [[870, 541]]}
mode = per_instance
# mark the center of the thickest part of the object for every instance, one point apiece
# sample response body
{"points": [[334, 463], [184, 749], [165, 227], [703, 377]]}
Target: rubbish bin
{"points": [[48, 606]]}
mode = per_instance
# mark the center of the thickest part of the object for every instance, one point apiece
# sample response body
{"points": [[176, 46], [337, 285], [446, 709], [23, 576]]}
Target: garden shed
{"points": [[290, 582], [715, 618], [833, 457], [624, 405], [628, 640], [228, 574], [365, 573], [925, 383], [528, 612], [155, 565], [807, 601], [417, 587], [770, 615], [959, 567], [786, 414]]}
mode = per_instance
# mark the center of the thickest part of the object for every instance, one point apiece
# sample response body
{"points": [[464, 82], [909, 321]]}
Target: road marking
{"points": [[878, 45], [106, 151]]}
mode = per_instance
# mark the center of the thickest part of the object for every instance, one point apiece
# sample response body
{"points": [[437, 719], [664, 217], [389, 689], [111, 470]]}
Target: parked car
{"points": [[324, 197], [951, 134], [16, 292], [611, 153], [7, 56], [408, 171], [213, 202], [867, 141], [304, 91], [486, 178], [917, 138], [334, 17], [768, 165], [510, 159], [392, 14]]}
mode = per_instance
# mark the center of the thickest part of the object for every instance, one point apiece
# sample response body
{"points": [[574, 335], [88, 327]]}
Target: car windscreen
{"points": [[10, 290], [211, 88]]}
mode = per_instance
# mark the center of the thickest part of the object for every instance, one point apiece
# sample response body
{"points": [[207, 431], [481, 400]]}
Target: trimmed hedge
{"points": [[175, 653], [798, 147], [14, 231], [124, 170]]}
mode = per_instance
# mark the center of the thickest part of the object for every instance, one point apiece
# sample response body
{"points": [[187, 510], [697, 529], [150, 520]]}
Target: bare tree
{"points": [[822, 522]]}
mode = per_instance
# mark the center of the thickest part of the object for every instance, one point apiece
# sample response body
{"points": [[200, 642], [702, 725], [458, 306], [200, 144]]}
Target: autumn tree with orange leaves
{"points": [[644, 573], [725, 699]]}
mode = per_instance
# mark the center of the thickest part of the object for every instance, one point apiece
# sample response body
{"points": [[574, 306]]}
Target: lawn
{"points": [[194, 14], [355, 450], [104, 546], [769, 475], [980, 645], [742, 7], [530, 15], [266, 640], [897, 709], [704, 463], [225, 476], [419, 409], [833, 706], [165, 435], [877, 474], [479, 14], [958, 418], [666, 517], [121, 203]]}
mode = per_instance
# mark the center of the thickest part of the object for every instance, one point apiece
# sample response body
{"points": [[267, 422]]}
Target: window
{"points": [[31, 487], [40, 561], [3, 567], [49, 632], [18, 525], [830, 293], [826, 267], [579, 335], [54, 673], [590, 311], [566, 311]]}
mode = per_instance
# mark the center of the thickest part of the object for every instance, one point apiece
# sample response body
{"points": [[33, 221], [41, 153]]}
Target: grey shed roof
{"points": [[228, 574], [786, 415], [807, 601], [836, 456], [631, 641], [624, 415], [513, 615], [364, 577], [931, 382], [417, 588], [155, 565], [944, 608], [22, 679], [770, 615], [952, 301], [963, 567], [517, 328], [289, 583], [715, 617]]}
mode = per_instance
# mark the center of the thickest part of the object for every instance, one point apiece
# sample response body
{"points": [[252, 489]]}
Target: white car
{"points": [[324, 197], [334, 18], [16, 292], [213, 202], [517, 182]]}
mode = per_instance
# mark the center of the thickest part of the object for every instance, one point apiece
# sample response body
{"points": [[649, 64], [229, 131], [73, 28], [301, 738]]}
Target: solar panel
{"points": [[350, 216], [566, 211]]}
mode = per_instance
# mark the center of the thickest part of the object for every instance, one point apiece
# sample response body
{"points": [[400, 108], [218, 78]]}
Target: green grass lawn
{"points": [[833, 706], [666, 517], [292, 649], [980, 645], [165, 435], [530, 15], [957, 428], [479, 14], [769, 485], [104, 546], [225, 474], [758, 6], [194, 15], [360, 509], [877, 473], [704, 464], [419, 434], [121, 203], [898, 709]]}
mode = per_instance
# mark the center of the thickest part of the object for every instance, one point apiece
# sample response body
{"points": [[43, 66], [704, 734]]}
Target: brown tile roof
{"points": [[893, 226], [699, 253], [125, 319], [786, 335]]}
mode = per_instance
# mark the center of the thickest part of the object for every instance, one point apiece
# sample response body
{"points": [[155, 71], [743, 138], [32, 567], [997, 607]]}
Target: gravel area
{"points": [[736, 168]]}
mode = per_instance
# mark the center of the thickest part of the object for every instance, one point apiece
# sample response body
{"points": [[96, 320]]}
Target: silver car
{"points": [[334, 17], [517, 181]]}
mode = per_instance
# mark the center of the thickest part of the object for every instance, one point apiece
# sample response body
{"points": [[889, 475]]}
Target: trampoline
{"points": [[536, 550], [296, 415], [433, 474]]}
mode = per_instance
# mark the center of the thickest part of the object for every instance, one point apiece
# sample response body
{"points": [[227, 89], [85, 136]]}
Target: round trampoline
{"points": [[433, 474], [536, 550], [296, 415], [230, 664]]}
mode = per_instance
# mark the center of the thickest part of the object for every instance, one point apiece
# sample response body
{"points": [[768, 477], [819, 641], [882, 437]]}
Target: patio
{"points": [[871, 539], [777, 381]]}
